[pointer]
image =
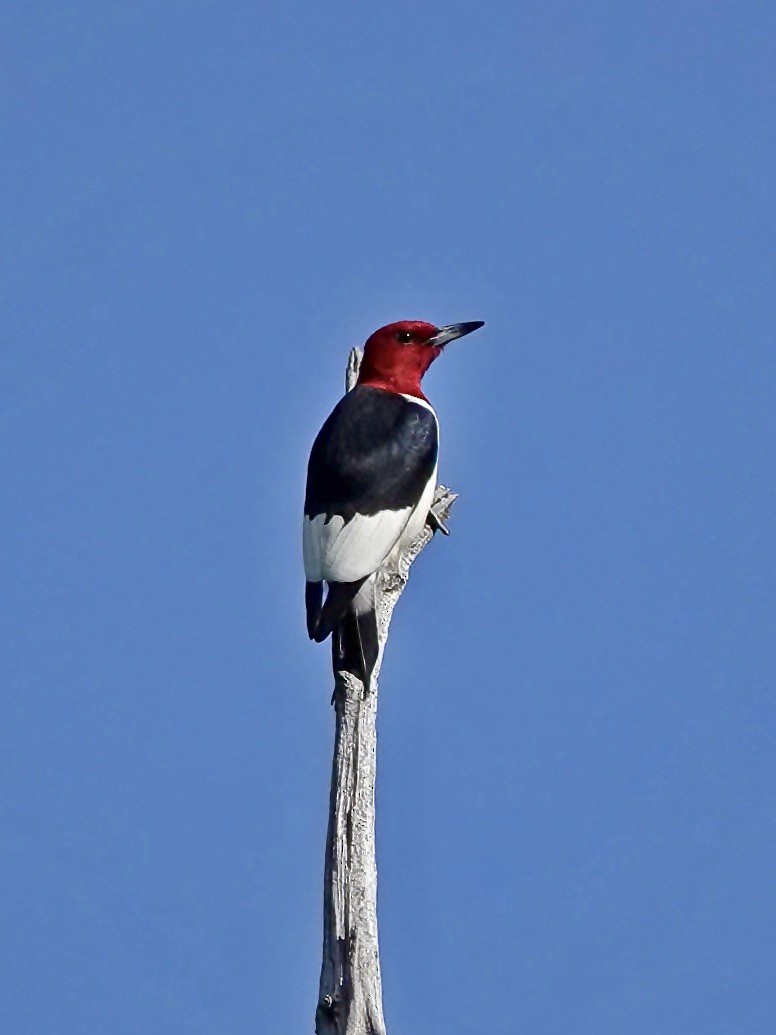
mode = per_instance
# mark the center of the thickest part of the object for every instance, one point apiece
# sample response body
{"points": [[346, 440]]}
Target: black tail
{"points": [[355, 646], [349, 616], [313, 600], [338, 603]]}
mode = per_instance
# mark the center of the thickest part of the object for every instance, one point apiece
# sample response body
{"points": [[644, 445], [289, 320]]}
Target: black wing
{"points": [[376, 452]]}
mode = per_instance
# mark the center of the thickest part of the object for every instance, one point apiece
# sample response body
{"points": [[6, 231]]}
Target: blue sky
{"points": [[203, 207]]}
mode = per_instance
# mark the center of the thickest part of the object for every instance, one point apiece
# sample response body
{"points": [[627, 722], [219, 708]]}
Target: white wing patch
{"points": [[419, 514], [339, 552]]}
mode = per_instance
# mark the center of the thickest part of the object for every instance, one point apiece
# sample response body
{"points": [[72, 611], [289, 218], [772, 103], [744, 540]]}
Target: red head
{"points": [[397, 356]]}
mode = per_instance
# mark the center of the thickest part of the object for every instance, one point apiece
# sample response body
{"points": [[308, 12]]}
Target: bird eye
{"points": [[405, 337]]}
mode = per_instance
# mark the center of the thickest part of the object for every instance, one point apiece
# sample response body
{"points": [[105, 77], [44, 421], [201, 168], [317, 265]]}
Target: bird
{"points": [[370, 484]]}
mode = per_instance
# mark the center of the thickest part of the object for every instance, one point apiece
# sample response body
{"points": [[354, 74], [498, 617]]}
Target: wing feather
{"points": [[341, 551], [369, 469]]}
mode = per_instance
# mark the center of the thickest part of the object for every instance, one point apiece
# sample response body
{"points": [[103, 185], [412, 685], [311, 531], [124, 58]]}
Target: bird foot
{"points": [[436, 523]]}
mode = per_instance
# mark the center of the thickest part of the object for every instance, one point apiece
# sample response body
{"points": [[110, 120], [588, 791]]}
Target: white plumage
{"points": [[336, 551]]}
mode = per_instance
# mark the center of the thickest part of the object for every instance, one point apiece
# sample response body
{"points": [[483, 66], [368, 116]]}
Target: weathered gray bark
{"points": [[350, 998]]}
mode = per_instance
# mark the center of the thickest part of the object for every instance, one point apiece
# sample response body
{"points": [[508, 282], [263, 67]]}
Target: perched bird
{"points": [[370, 483]]}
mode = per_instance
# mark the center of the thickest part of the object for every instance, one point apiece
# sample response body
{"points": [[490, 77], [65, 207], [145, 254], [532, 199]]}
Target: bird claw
{"points": [[436, 523]]}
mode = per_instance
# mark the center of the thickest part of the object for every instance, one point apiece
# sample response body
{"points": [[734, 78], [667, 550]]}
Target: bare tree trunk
{"points": [[350, 1000]]}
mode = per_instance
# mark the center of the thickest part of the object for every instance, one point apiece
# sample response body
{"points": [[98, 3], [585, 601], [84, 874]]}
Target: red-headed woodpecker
{"points": [[370, 483]]}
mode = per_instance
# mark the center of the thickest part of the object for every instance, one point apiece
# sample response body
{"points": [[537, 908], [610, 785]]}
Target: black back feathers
{"points": [[376, 451]]}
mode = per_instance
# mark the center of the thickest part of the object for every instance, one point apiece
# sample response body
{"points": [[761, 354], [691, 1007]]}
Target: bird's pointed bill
{"points": [[453, 331]]}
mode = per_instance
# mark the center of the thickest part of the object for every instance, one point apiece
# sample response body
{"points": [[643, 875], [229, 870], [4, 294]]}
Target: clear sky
{"points": [[204, 206]]}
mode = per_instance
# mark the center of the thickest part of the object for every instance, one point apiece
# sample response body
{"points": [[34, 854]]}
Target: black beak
{"points": [[453, 331]]}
